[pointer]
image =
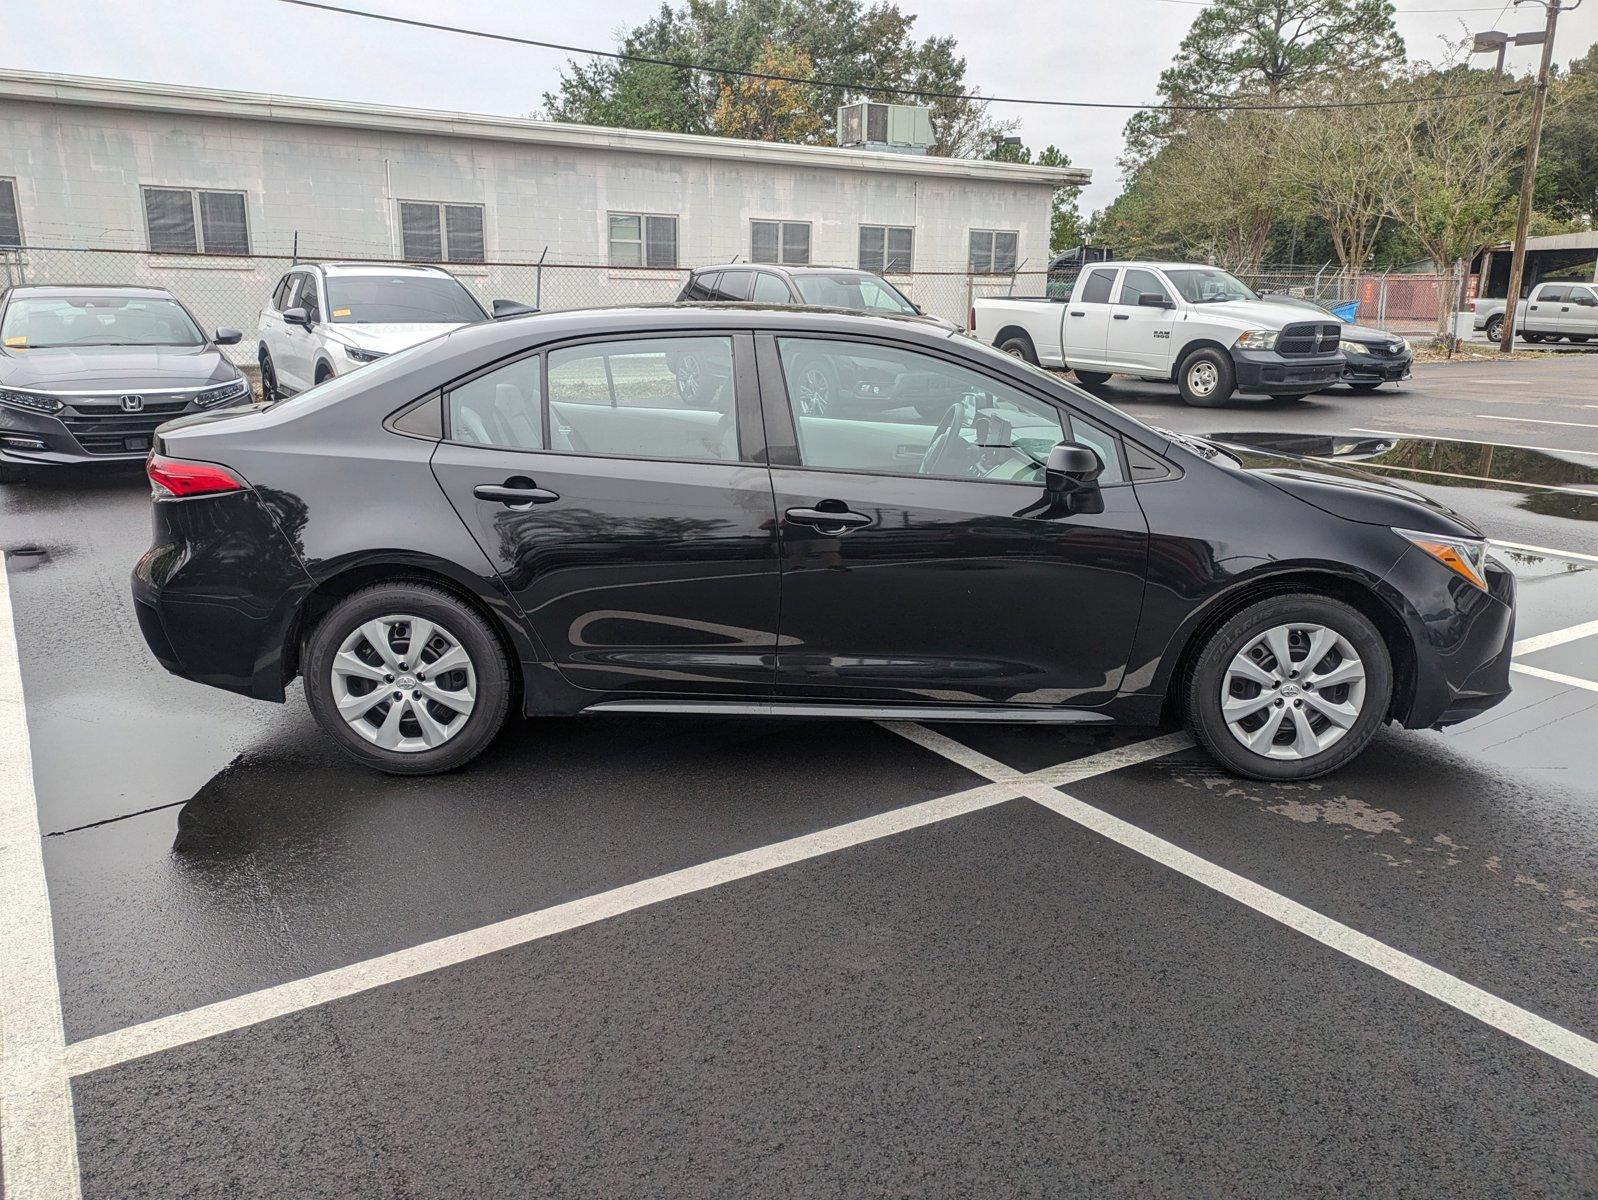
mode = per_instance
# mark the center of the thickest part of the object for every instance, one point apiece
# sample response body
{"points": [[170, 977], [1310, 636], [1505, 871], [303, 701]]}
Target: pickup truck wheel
{"points": [[1495, 327], [1091, 378], [1020, 346], [1206, 378]]}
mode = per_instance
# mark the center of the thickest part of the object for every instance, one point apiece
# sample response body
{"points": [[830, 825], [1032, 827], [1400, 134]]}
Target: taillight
{"points": [[172, 478]]}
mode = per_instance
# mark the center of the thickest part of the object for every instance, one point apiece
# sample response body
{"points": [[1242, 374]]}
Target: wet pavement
{"points": [[282, 975]]}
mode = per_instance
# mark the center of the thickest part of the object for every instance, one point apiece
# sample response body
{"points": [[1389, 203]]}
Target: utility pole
{"points": [[1528, 185]]}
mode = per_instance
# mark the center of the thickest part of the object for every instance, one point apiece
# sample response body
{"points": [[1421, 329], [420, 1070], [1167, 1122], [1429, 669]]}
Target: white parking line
{"points": [[1537, 421], [1555, 1040], [1573, 555], [1547, 641], [38, 1139], [1574, 681]]}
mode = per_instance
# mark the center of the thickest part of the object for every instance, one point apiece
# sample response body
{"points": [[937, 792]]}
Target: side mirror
{"points": [[297, 316], [1154, 300], [511, 308], [1072, 477], [226, 336]]}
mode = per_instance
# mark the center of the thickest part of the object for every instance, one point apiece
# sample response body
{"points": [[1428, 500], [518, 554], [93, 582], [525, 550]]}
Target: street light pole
{"points": [[1528, 184]]}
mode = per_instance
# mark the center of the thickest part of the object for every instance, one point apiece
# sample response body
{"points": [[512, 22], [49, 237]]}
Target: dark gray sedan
{"points": [[1371, 357], [87, 373]]}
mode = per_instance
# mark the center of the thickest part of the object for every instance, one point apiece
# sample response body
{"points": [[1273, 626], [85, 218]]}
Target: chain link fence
{"points": [[230, 290]]}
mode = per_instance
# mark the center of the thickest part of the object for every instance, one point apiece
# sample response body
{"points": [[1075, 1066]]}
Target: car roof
{"points": [[91, 289], [378, 268], [785, 268]]}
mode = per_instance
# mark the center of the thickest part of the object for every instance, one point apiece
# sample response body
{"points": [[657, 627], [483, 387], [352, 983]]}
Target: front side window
{"points": [[993, 251], [397, 300], [770, 290], [1583, 297], [10, 218], [785, 242], [502, 408], [865, 293], [190, 221], [1554, 294], [643, 240], [1137, 283], [38, 323], [928, 416], [434, 232], [645, 398], [1209, 285], [734, 286], [886, 249]]}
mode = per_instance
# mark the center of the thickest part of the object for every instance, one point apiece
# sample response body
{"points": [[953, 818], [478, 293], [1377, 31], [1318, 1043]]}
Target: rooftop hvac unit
{"points": [[898, 128]]}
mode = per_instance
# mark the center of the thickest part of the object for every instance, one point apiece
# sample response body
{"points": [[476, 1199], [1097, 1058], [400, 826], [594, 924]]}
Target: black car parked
{"points": [[530, 516], [87, 373], [1371, 357]]}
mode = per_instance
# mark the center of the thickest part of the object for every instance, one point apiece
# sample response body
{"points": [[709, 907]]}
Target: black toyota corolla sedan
{"points": [[528, 516], [87, 373]]}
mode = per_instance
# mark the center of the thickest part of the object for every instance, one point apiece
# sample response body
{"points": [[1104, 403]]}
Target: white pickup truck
{"points": [[1197, 326], [1554, 311]]}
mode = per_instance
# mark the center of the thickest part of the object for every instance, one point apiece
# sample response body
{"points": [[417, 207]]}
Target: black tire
{"points": [[13, 473], [1534, 338], [269, 389], [323, 373], [462, 623], [1020, 345], [1191, 378], [1579, 339], [1201, 696], [815, 389], [1495, 327], [1091, 378]]}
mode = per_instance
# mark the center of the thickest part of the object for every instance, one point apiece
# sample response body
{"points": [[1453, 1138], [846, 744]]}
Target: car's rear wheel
{"points": [[1091, 378], [1206, 378], [1292, 687], [1019, 345], [407, 678], [1495, 327]]}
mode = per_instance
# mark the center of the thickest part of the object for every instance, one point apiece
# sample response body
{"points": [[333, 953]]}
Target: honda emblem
{"points": [[132, 403]]}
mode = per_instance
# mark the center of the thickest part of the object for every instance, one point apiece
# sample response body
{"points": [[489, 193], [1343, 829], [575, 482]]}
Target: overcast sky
{"points": [[1106, 50]]}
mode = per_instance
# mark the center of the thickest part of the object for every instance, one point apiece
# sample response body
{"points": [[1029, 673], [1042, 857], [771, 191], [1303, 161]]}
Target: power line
{"points": [[870, 87], [1400, 12]]}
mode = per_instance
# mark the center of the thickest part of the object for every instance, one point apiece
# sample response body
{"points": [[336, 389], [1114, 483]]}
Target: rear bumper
{"points": [[1271, 373], [214, 592]]}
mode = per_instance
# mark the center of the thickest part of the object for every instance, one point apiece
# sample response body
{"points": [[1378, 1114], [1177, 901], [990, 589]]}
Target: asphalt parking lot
{"points": [[673, 956]]}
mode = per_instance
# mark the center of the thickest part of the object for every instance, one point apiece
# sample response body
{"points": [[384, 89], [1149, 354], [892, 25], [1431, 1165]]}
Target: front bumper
{"points": [[85, 432], [1274, 374], [1369, 368]]}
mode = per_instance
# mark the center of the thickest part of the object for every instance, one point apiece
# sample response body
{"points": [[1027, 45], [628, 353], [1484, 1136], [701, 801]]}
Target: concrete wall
{"points": [[79, 171]]}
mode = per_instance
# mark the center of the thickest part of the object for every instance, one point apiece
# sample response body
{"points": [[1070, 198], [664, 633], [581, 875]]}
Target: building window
{"points": [[188, 221], [10, 219], [780, 242], [642, 240], [886, 249], [432, 232], [993, 251]]}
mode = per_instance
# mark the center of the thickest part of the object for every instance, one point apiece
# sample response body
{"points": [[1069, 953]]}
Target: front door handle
{"points": [[828, 522], [516, 493], [1123, 316], [1079, 314]]}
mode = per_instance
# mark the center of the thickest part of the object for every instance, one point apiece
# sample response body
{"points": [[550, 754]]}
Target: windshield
{"points": [[864, 292], [1208, 285], [400, 300], [41, 322]]}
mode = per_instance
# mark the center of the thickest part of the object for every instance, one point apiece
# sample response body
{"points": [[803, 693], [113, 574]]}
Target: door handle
{"points": [[819, 518], [1079, 314], [515, 496], [1123, 316]]}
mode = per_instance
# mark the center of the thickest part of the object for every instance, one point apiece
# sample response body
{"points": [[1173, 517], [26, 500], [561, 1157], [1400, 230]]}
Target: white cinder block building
{"points": [[171, 171]]}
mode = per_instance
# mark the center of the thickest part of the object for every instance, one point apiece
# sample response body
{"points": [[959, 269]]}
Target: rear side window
{"points": [[503, 408], [1097, 288], [645, 398]]}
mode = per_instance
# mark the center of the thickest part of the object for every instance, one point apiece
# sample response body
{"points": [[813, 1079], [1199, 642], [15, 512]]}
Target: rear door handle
{"points": [[515, 496], [1123, 316], [1079, 314], [818, 518]]}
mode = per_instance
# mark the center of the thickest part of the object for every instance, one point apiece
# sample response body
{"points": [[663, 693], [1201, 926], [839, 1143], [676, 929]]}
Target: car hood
{"points": [[1258, 314], [114, 368], [1367, 336], [386, 339], [1285, 462]]}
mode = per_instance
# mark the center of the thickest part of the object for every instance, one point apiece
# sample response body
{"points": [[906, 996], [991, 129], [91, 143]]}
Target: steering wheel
{"points": [[940, 455]]}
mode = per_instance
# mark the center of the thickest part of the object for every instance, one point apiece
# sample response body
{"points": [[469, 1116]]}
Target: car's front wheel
{"points": [[1207, 378], [269, 388], [407, 678], [1292, 687]]}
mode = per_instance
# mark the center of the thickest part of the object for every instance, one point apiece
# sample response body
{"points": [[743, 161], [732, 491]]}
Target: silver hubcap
{"points": [[815, 392], [404, 683], [1293, 691], [1202, 378]]}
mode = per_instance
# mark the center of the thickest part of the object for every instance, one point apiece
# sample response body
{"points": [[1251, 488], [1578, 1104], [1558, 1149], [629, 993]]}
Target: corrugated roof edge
{"points": [[50, 88]]}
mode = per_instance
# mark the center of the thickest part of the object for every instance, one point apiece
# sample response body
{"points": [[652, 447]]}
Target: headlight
{"points": [[1353, 347], [236, 390], [1463, 556], [1258, 339], [30, 401], [363, 356]]}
